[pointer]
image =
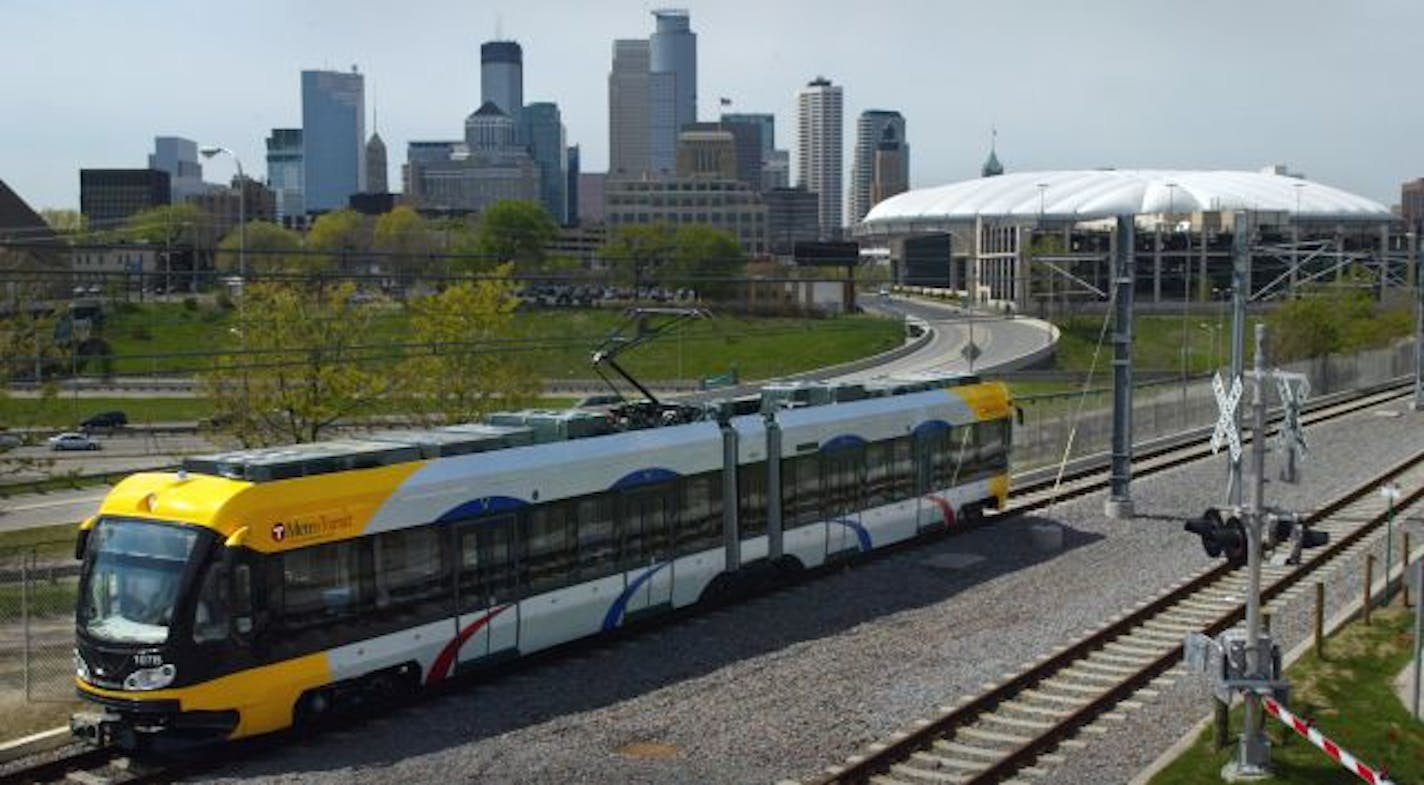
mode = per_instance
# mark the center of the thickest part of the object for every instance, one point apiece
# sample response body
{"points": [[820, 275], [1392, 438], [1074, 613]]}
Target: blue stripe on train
{"points": [[620, 605], [860, 532], [485, 505]]}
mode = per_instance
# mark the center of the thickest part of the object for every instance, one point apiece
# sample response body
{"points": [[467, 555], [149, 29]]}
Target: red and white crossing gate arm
{"points": [[1318, 739]]}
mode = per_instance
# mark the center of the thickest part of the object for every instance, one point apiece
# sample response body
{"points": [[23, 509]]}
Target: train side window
{"points": [[550, 547], [597, 538], [879, 471], [410, 570], [321, 584], [801, 489], [840, 481], [701, 517], [643, 524], [210, 614], [751, 490], [903, 469]]}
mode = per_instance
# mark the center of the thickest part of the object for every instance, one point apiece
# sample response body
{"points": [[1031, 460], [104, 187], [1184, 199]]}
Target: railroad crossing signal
{"points": [[1226, 401], [1221, 536]]}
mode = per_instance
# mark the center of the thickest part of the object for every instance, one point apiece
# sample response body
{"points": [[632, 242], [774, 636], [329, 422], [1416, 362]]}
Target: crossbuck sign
{"points": [[1293, 388], [1226, 401]]}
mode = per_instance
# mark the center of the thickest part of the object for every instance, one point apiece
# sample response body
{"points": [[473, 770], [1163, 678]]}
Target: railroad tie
{"points": [[926, 775], [951, 747], [999, 718], [942, 762], [995, 737], [1067, 686]]}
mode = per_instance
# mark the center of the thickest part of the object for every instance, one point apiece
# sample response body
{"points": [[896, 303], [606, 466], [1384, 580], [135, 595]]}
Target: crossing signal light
{"points": [[1293, 531], [1220, 536]]}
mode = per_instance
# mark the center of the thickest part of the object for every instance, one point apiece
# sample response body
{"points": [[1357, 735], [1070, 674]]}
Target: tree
{"points": [[65, 222], [169, 225], [635, 252], [406, 242], [300, 368], [516, 230], [459, 371], [337, 237], [703, 258], [271, 249]]}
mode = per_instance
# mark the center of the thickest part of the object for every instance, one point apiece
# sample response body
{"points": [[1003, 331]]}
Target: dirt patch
{"points": [[650, 750]]}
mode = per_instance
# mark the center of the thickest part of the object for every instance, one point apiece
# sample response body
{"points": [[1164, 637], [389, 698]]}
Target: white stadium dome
{"points": [[1093, 194]]}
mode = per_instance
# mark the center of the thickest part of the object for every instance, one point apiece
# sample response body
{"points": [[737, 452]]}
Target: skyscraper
{"points": [[818, 152], [892, 166], [542, 129], [284, 171], [375, 164], [652, 94], [502, 76], [333, 138], [628, 123], [672, 101], [179, 158], [869, 133]]}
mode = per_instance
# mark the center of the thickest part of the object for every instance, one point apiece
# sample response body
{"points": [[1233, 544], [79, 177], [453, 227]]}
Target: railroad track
{"points": [[1030, 720], [77, 762]]}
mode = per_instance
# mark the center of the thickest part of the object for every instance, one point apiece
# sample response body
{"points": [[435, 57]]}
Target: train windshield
{"points": [[134, 570]]}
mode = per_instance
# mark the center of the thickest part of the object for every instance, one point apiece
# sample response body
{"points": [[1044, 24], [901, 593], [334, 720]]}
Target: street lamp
{"points": [[209, 152]]}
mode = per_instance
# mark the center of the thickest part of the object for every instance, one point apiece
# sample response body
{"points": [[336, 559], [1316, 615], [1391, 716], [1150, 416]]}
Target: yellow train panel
{"points": [[988, 400], [279, 515], [263, 697]]}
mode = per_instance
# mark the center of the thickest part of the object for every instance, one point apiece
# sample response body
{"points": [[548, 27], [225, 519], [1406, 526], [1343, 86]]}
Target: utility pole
{"points": [[1240, 282], [1119, 503], [1255, 756], [1416, 250]]}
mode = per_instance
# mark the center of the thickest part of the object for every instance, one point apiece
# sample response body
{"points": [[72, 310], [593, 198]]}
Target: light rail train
{"points": [[256, 589]]}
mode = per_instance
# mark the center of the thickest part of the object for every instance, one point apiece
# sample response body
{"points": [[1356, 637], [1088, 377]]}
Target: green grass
{"points": [[63, 411], [46, 599], [49, 542], [1156, 343], [1350, 697], [171, 339]]}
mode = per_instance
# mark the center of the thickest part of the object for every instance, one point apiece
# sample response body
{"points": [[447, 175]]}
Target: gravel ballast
{"points": [[783, 685]]}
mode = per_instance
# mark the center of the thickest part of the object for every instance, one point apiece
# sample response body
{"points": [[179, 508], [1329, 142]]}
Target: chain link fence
{"points": [[1079, 424], [38, 585]]}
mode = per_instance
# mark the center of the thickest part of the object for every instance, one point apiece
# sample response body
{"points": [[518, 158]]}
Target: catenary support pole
{"points": [[773, 489], [731, 538], [1254, 759], [1119, 503], [1418, 251]]}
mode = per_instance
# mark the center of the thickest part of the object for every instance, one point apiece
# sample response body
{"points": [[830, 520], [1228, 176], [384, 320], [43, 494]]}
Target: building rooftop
{"points": [[1093, 194]]}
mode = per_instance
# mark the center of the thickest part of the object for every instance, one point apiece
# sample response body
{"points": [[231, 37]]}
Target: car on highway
{"points": [[9, 441], [114, 419], [73, 441]]}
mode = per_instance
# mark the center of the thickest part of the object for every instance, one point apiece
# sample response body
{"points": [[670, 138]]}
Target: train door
{"points": [[647, 547], [489, 611], [841, 484], [929, 456]]}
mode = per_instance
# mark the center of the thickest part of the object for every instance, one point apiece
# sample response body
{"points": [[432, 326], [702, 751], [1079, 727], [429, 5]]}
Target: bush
{"points": [[190, 303], [224, 301]]}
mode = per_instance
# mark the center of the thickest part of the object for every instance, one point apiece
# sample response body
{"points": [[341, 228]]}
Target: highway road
{"points": [[1002, 342]]}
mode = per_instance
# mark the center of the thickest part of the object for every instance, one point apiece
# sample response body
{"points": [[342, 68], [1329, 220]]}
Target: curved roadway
{"points": [[1002, 342]]}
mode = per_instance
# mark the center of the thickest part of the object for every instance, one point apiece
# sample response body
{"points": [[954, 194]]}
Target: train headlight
{"points": [[81, 668], [151, 678]]}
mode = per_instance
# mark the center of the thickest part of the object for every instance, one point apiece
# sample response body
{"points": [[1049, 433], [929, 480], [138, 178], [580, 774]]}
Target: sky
{"points": [[1329, 88]]}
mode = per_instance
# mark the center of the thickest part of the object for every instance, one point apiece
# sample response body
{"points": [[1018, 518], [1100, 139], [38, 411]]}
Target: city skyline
{"points": [[1118, 84]]}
